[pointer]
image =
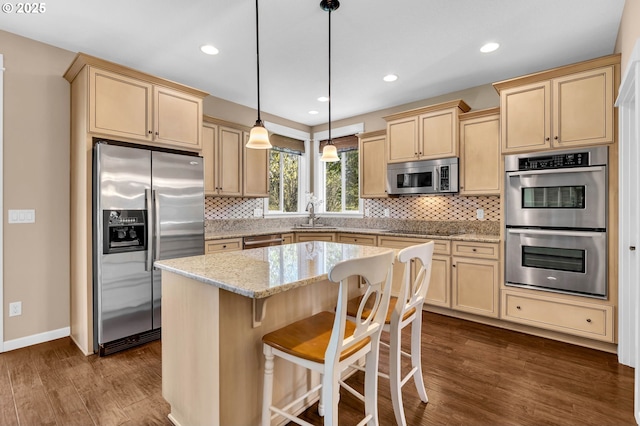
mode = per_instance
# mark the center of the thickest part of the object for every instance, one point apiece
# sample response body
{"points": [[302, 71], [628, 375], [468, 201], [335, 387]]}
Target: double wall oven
{"points": [[556, 220]]}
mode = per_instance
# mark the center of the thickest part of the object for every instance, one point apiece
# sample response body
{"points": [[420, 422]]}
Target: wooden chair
{"points": [[328, 343], [404, 310]]}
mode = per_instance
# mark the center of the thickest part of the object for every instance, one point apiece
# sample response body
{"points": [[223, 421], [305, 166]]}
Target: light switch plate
{"points": [[22, 216], [480, 213]]}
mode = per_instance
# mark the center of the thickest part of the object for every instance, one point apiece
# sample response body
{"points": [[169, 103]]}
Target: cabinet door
{"points": [[256, 171], [373, 168], [438, 134], [439, 293], [583, 108], [209, 133], [119, 106], [177, 118], [229, 161], [402, 137], [480, 156], [526, 117], [474, 284]]}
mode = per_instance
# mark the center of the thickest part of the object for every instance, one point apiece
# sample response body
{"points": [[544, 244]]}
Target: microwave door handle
{"points": [[589, 234], [436, 179], [555, 171], [156, 221], [148, 196]]}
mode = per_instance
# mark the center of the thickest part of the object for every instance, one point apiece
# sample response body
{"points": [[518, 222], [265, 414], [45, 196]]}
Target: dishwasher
{"points": [[262, 241]]}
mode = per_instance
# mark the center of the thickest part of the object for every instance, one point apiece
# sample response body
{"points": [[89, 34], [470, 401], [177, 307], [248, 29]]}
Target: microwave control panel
{"points": [[554, 161], [444, 178]]}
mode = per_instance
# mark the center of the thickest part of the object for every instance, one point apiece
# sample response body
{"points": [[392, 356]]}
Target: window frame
{"points": [[319, 169], [303, 171]]}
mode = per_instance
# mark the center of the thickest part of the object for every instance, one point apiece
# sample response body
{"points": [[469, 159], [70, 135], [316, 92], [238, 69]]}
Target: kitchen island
{"points": [[215, 312]]}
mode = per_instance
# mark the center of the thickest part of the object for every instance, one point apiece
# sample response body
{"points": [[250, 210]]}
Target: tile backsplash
{"points": [[429, 208]]}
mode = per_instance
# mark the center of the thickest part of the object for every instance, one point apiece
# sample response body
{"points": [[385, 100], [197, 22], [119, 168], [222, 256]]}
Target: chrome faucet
{"points": [[312, 213]]}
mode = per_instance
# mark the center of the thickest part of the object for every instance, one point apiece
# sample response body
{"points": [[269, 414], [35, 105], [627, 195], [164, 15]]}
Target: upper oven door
{"points": [[567, 198]]}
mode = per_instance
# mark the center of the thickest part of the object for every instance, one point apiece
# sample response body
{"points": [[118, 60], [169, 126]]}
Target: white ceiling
{"points": [[433, 45]]}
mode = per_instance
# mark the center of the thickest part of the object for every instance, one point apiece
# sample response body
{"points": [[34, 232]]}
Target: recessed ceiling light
{"points": [[489, 47], [390, 77], [313, 112], [209, 49], [323, 99]]}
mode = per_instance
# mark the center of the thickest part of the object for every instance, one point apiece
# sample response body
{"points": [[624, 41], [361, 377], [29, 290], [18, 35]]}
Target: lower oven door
{"points": [[572, 262]]}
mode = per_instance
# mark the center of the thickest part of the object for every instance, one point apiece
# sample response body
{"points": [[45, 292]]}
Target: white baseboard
{"points": [[34, 339]]}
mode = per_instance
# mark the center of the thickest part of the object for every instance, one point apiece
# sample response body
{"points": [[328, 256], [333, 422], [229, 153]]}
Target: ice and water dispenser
{"points": [[124, 230]]}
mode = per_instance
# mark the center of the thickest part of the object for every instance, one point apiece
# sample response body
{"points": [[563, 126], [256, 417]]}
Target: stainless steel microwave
{"points": [[423, 177]]}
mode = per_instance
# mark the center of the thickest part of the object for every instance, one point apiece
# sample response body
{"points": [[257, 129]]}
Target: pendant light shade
{"points": [[259, 136], [329, 152]]}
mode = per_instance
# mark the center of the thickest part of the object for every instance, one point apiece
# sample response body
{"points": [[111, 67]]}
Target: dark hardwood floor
{"points": [[475, 375]]}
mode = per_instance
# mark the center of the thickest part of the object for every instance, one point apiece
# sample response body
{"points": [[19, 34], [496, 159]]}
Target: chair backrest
{"points": [[376, 271], [412, 293]]}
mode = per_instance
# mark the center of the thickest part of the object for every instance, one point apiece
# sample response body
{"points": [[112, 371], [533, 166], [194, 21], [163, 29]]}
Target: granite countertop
{"points": [[262, 272], [483, 238]]}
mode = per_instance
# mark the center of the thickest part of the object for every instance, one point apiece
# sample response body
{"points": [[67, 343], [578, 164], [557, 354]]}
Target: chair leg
{"points": [[416, 358], [371, 387], [330, 394], [395, 375], [267, 393], [321, 401]]}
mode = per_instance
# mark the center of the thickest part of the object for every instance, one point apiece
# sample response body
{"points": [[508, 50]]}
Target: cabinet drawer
{"points": [[321, 236], [362, 239], [581, 319], [471, 249], [288, 238], [223, 245], [439, 246]]}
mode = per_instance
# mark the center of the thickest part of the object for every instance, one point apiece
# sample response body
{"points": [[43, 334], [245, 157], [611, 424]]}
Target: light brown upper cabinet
{"points": [[480, 152], [231, 170], [256, 171], [222, 152], [562, 107], [128, 105], [424, 133], [373, 164]]}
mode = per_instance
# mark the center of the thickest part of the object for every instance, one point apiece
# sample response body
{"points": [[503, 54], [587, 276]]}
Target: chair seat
{"points": [[354, 304], [309, 338]]}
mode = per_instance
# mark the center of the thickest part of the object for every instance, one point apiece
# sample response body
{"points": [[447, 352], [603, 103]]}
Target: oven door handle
{"points": [[555, 171], [584, 234]]}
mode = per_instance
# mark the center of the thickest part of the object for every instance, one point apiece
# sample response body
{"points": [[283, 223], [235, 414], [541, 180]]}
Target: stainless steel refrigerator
{"points": [[148, 205]]}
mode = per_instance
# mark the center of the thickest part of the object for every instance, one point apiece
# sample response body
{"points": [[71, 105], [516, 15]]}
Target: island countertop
{"points": [[262, 272]]}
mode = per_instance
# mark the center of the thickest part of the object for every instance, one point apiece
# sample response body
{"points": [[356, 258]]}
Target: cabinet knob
{"points": [[518, 308], [224, 246], [589, 320], [632, 248], [475, 249], [556, 138], [150, 132], [420, 153], [453, 266], [546, 139]]}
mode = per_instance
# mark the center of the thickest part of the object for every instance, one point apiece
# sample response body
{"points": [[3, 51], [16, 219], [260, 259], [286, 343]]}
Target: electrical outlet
{"points": [[480, 213], [257, 212], [367, 212], [386, 213], [15, 309]]}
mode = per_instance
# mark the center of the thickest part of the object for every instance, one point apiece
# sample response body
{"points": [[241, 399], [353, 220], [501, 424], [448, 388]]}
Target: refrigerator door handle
{"points": [[147, 203], [156, 223]]}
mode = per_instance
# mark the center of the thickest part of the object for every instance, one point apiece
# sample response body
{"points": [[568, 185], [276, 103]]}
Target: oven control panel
{"points": [[554, 161]]}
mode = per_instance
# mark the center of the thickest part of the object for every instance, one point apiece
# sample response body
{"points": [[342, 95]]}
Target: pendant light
{"points": [[329, 152], [259, 136]]}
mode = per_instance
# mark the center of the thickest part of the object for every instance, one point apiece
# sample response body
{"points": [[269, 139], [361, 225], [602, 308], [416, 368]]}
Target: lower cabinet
{"points": [[475, 278], [288, 238], [302, 237], [589, 320], [360, 239], [215, 246]]}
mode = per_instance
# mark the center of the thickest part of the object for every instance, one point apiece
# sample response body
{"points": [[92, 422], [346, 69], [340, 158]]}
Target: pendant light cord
{"points": [[330, 141], [258, 60]]}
